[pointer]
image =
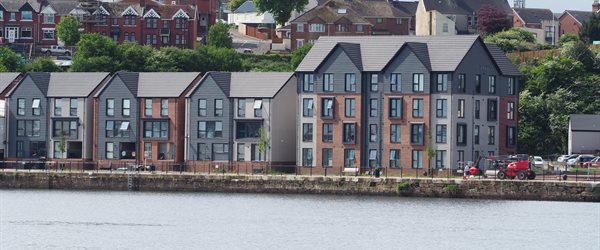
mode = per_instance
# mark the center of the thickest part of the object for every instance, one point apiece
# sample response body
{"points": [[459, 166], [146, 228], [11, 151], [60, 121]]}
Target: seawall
{"points": [[448, 188]]}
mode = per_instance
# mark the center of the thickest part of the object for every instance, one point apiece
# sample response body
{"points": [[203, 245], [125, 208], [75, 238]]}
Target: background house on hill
{"points": [[541, 22]]}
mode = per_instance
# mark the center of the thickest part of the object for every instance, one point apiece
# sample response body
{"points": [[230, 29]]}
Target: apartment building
{"points": [[384, 101]]}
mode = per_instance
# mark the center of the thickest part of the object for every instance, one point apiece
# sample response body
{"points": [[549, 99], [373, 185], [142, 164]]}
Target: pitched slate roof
{"points": [[422, 52], [356, 11], [117, 8], [505, 65], [6, 79], [40, 79], [329, 14], [164, 84], [222, 79], [353, 51], [585, 122], [167, 11], [464, 7], [408, 7], [15, 5], [377, 51], [74, 84], [130, 79], [580, 16], [63, 7], [246, 7], [529, 15], [258, 84]]}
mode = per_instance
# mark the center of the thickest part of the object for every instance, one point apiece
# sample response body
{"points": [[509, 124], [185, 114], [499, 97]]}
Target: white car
{"points": [[538, 161]]}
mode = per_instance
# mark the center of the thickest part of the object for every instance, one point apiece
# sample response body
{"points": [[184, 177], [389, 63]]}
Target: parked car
{"points": [[592, 163], [56, 50], [571, 159], [563, 158], [581, 159], [538, 161]]}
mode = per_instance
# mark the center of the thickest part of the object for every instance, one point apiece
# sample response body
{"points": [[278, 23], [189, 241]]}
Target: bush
{"points": [[513, 40]]}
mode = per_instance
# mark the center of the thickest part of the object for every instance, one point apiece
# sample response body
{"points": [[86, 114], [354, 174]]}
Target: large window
{"points": [[511, 134], [417, 133], [73, 107], [491, 135], [441, 135], [492, 84], [395, 82], [308, 83], [35, 107], [126, 107], [492, 110], [241, 152], [462, 83], [442, 83], [20, 106], [441, 108], [327, 82], [373, 107], [218, 107], [511, 86], [48, 18], [477, 109], [461, 108], [307, 107], [440, 159], [48, 34], [20, 149], [26, 33], [349, 133], [394, 158], [327, 108], [417, 108], [417, 159], [211, 129], [307, 157], [510, 111], [350, 107], [58, 153], [165, 151], [327, 158], [241, 108], [258, 108], [248, 129], [148, 107], [342, 27], [37, 149], [395, 133], [220, 151], [256, 155], [395, 107], [349, 158], [374, 82], [110, 107], [373, 158], [110, 150], [202, 107], [372, 132], [156, 129], [68, 128], [164, 107], [307, 132], [28, 128], [147, 150], [327, 132], [418, 82], [316, 27], [477, 84], [117, 129], [58, 107], [461, 134], [350, 83]]}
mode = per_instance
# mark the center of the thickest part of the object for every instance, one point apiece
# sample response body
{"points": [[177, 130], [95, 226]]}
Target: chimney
{"points": [[595, 6]]}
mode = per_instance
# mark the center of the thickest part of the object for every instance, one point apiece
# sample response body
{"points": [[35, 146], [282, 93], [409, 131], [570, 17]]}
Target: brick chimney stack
{"points": [[595, 6]]}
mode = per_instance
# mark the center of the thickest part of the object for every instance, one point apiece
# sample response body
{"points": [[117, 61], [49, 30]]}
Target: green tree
{"points": [[95, 53], [213, 58], [67, 30], [133, 57], [299, 54], [514, 39], [281, 10], [580, 52], [590, 29], [41, 64], [550, 74], [9, 60], [234, 4], [218, 36], [172, 59], [566, 38], [263, 141]]}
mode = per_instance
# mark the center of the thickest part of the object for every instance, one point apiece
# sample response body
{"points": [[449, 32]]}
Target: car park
{"points": [[563, 158]]}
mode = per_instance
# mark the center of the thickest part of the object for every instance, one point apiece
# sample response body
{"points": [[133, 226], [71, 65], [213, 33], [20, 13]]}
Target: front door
{"points": [[11, 34]]}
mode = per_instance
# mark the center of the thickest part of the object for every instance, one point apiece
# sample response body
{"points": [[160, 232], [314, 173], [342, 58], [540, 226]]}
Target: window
{"points": [[307, 107], [132, 37], [148, 107], [241, 154], [327, 158], [417, 108], [350, 84], [37, 149], [300, 27], [350, 107], [20, 106], [58, 107], [20, 127], [26, 15], [68, 128], [58, 153], [462, 83], [461, 155], [342, 27], [442, 83], [248, 129], [202, 108], [349, 132], [374, 82], [299, 43], [126, 37], [241, 108], [395, 107], [152, 23], [30, 128], [2, 108], [373, 107], [13, 16], [164, 152], [490, 153], [416, 133], [327, 82], [461, 108], [349, 158], [492, 84], [147, 150], [417, 159], [21, 149], [73, 107], [316, 27], [477, 108], [372, 158], [372, 132], [257, 108], [477, 84], [256, 154], [461, 134], [395, 82], [476, 134], [307, 157], [395, 133], [510, 111], [180, 23], [394, 158], [110, 150], [110, 107], [491, 135], [156, 129], [220, 151], [418, 82], [26, 33], [203, 152], [492, 111], [48, 34], [379, 20], [35, 107], [164, 107], [308, 83], [327, 132], [307, 132], [48, 18], [511, 86], [327, 108], [440, 159], [360, 28], [218, 107], [126, 107], [511, 134], [210, 129], [440, 108], [117, 129], [441, 135], [398, 20], [445, 27]]}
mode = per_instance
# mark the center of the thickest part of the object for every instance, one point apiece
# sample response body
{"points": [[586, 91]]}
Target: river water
{"points": [[41, 219]]}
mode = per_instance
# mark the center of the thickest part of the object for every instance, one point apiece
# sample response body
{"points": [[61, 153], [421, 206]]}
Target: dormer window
{"points": [[342, 11], [26, 15], [48, 18], [13, 16]]}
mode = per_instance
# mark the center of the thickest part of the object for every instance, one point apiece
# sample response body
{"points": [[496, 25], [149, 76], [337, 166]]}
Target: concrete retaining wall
{"points": [[478, 189]]}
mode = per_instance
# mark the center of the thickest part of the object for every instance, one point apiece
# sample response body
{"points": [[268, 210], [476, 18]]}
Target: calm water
{"points": [[132, 220]]}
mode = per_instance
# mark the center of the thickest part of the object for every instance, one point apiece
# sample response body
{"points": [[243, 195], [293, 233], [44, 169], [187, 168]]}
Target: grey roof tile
{"points": [[530, 15], [464, 7], [74, 84], [408, 7], [258, 84], [6, 79], [164, 84], [353, 51], [585, 122], [15, 5], [505, 65], [580, 16], [246, 7]]}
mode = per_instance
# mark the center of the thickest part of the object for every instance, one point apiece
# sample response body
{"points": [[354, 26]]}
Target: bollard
{"points": [[325, 171]]}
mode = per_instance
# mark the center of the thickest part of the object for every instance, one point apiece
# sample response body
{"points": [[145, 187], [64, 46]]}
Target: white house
{"points": [[584, 134]]}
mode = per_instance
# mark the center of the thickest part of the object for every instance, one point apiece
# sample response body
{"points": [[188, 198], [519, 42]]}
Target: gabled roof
{"points": [[355, 11], [329, 14], [63, 7], [580, 16], [74, 84], [6, 79], [222, 79], [505, 65], [246, 7], [164, 84], [464, 7], [118, 9], [130, 79], [171, 11], [353, 52], [585, 122], [529, 15], [258, 84], [407, 7], [15, 5], [445, 52], [422, 52], [40, 79]]}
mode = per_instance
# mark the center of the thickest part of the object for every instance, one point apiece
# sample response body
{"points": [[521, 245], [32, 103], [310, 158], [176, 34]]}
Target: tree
{"points": [[218, 36], [263, 141], [551, 74], [133, 57], [42, 64], [566, 38], [513, 40], [281, 10], [590, 29], [67, 30], [299, 54], [491, 19], [172, 59], [9, 60], [218, 59], [234, 4], [95, 53], [580, 52]]}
